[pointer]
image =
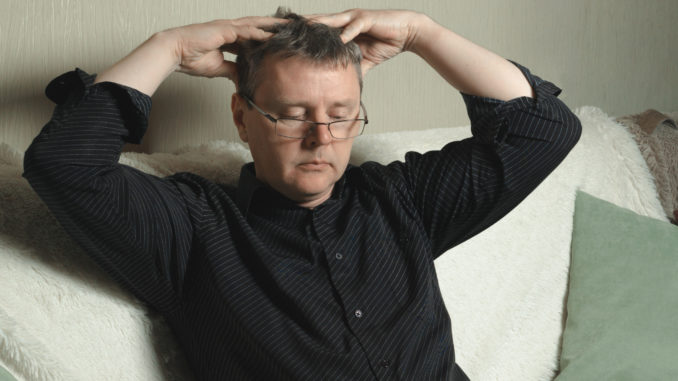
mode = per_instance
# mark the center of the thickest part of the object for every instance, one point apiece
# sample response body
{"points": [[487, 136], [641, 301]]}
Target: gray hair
{"points": [[316, 42]]}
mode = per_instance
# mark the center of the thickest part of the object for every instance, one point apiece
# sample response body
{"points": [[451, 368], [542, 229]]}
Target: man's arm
{"points": [[468, 67], [521, 131], [134, 225], [192, 49]]}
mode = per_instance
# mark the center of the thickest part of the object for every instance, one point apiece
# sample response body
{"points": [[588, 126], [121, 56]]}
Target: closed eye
{"points": [[303, 118]]}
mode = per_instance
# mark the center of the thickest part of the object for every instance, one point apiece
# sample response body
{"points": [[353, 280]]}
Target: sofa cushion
{"points": [[621, 305]]}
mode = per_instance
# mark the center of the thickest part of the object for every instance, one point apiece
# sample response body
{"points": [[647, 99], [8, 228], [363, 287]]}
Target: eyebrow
{"points": [[340, 103]]}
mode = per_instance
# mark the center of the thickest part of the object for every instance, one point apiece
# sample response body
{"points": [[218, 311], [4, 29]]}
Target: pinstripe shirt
{"points": [[257, 288]]}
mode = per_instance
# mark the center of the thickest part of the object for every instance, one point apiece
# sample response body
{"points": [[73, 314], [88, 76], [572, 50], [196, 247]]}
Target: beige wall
{"points": [[619, 55]]}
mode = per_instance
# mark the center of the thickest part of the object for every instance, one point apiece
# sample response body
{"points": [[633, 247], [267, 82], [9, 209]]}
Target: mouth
{"points": [[315, 165]]}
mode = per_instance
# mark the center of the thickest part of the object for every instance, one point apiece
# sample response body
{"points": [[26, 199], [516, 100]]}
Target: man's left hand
{"points": [[380, 34]]}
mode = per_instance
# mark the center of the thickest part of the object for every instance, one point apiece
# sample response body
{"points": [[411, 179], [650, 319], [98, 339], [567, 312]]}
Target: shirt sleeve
{"points": [[470, 184], [134, 225]]}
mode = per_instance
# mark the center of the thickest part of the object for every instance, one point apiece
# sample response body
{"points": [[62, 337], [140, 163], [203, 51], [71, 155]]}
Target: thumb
{"points": [[228, 70]]}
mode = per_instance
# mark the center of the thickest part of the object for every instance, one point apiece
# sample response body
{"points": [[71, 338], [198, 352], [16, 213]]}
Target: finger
{"points": [[240, 34], [336, 20], [315, 16], [352, 22], [234, 37], [355, 28], [250, 32], [246, 28], [258, 21]]}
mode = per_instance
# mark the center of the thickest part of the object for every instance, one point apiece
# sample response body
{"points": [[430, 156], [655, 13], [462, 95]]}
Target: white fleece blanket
{"points": [[61, 318]]}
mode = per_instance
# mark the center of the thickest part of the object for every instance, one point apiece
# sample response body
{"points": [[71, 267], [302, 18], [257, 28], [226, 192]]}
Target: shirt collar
{"points": [[249, 186]]}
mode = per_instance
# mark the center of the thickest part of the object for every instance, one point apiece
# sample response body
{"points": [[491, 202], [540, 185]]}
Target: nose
{"points": [[319, 135]]}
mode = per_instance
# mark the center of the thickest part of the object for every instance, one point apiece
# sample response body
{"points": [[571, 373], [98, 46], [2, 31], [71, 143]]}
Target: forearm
{"points": [[147, 66], [468, 67]]}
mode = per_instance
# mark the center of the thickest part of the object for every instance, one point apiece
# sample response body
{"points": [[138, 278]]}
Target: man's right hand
{"points": [[194, 49], [200, 46]]}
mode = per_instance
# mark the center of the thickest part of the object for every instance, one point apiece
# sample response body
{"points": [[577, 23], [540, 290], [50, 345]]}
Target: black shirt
{"points": [[257, 288]]}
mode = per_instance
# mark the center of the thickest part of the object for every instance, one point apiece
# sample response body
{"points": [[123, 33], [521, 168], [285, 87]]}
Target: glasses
{"points": [[299, 129]]}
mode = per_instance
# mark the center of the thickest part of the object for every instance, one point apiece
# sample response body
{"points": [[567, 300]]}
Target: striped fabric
{"points": [[256, 288]]}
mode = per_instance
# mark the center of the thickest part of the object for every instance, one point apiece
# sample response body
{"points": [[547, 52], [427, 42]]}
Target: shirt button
{"points": [[385, 363], [338, 256], [358, 314]]}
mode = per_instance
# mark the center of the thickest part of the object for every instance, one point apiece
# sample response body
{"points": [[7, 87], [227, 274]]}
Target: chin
{"points": [[310, 192], [314, 187]]}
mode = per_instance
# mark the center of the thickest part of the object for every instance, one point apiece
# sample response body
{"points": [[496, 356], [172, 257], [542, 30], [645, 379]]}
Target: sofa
{"points": [[519, 309]]}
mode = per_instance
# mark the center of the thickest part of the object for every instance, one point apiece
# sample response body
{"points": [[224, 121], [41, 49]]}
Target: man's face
{"points": [[303, 170]]}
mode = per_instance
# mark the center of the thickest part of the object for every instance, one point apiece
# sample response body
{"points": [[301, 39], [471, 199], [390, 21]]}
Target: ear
{"points": [[238, 111]]}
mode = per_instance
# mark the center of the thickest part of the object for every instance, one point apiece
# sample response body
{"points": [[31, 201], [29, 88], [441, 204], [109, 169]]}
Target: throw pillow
{"points": [[5, 375], [621, 305]]}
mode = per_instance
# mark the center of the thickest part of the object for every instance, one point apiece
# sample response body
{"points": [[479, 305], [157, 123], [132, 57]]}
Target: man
{"points": [[311, 268]]}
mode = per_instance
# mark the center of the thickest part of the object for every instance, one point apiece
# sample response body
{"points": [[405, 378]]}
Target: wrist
{"points": [[147, 66], [424, 30], [167, 41]]}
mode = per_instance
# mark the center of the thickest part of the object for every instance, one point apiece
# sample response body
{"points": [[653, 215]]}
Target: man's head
{"points": [[297, 38], [304, 72]]}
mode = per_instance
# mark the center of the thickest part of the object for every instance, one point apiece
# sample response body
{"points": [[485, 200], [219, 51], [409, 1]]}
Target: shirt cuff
{"points": [[488, 115], [68, 90]]}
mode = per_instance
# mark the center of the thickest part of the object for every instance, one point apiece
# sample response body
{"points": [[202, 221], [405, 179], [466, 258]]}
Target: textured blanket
{"points": [[62, 318], [657, 138]]}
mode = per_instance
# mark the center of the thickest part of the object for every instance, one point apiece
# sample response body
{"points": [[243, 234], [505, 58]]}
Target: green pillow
{"points": [[622, 306], [5, 375]]}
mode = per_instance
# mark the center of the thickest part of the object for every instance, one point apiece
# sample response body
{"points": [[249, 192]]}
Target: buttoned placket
{"points": [[327, 240], [358, 317]]}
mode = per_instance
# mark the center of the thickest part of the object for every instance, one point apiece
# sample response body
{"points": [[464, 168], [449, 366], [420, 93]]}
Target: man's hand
{"points": [[200, 46], [192, 49], [380, 34]]}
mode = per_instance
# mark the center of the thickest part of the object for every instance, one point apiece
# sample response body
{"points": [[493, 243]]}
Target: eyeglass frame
{"points": [[329, 128]]}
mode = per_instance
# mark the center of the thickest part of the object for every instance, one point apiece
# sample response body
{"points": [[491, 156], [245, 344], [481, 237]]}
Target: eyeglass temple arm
{"points": [[364, 111], [262, 112]]}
